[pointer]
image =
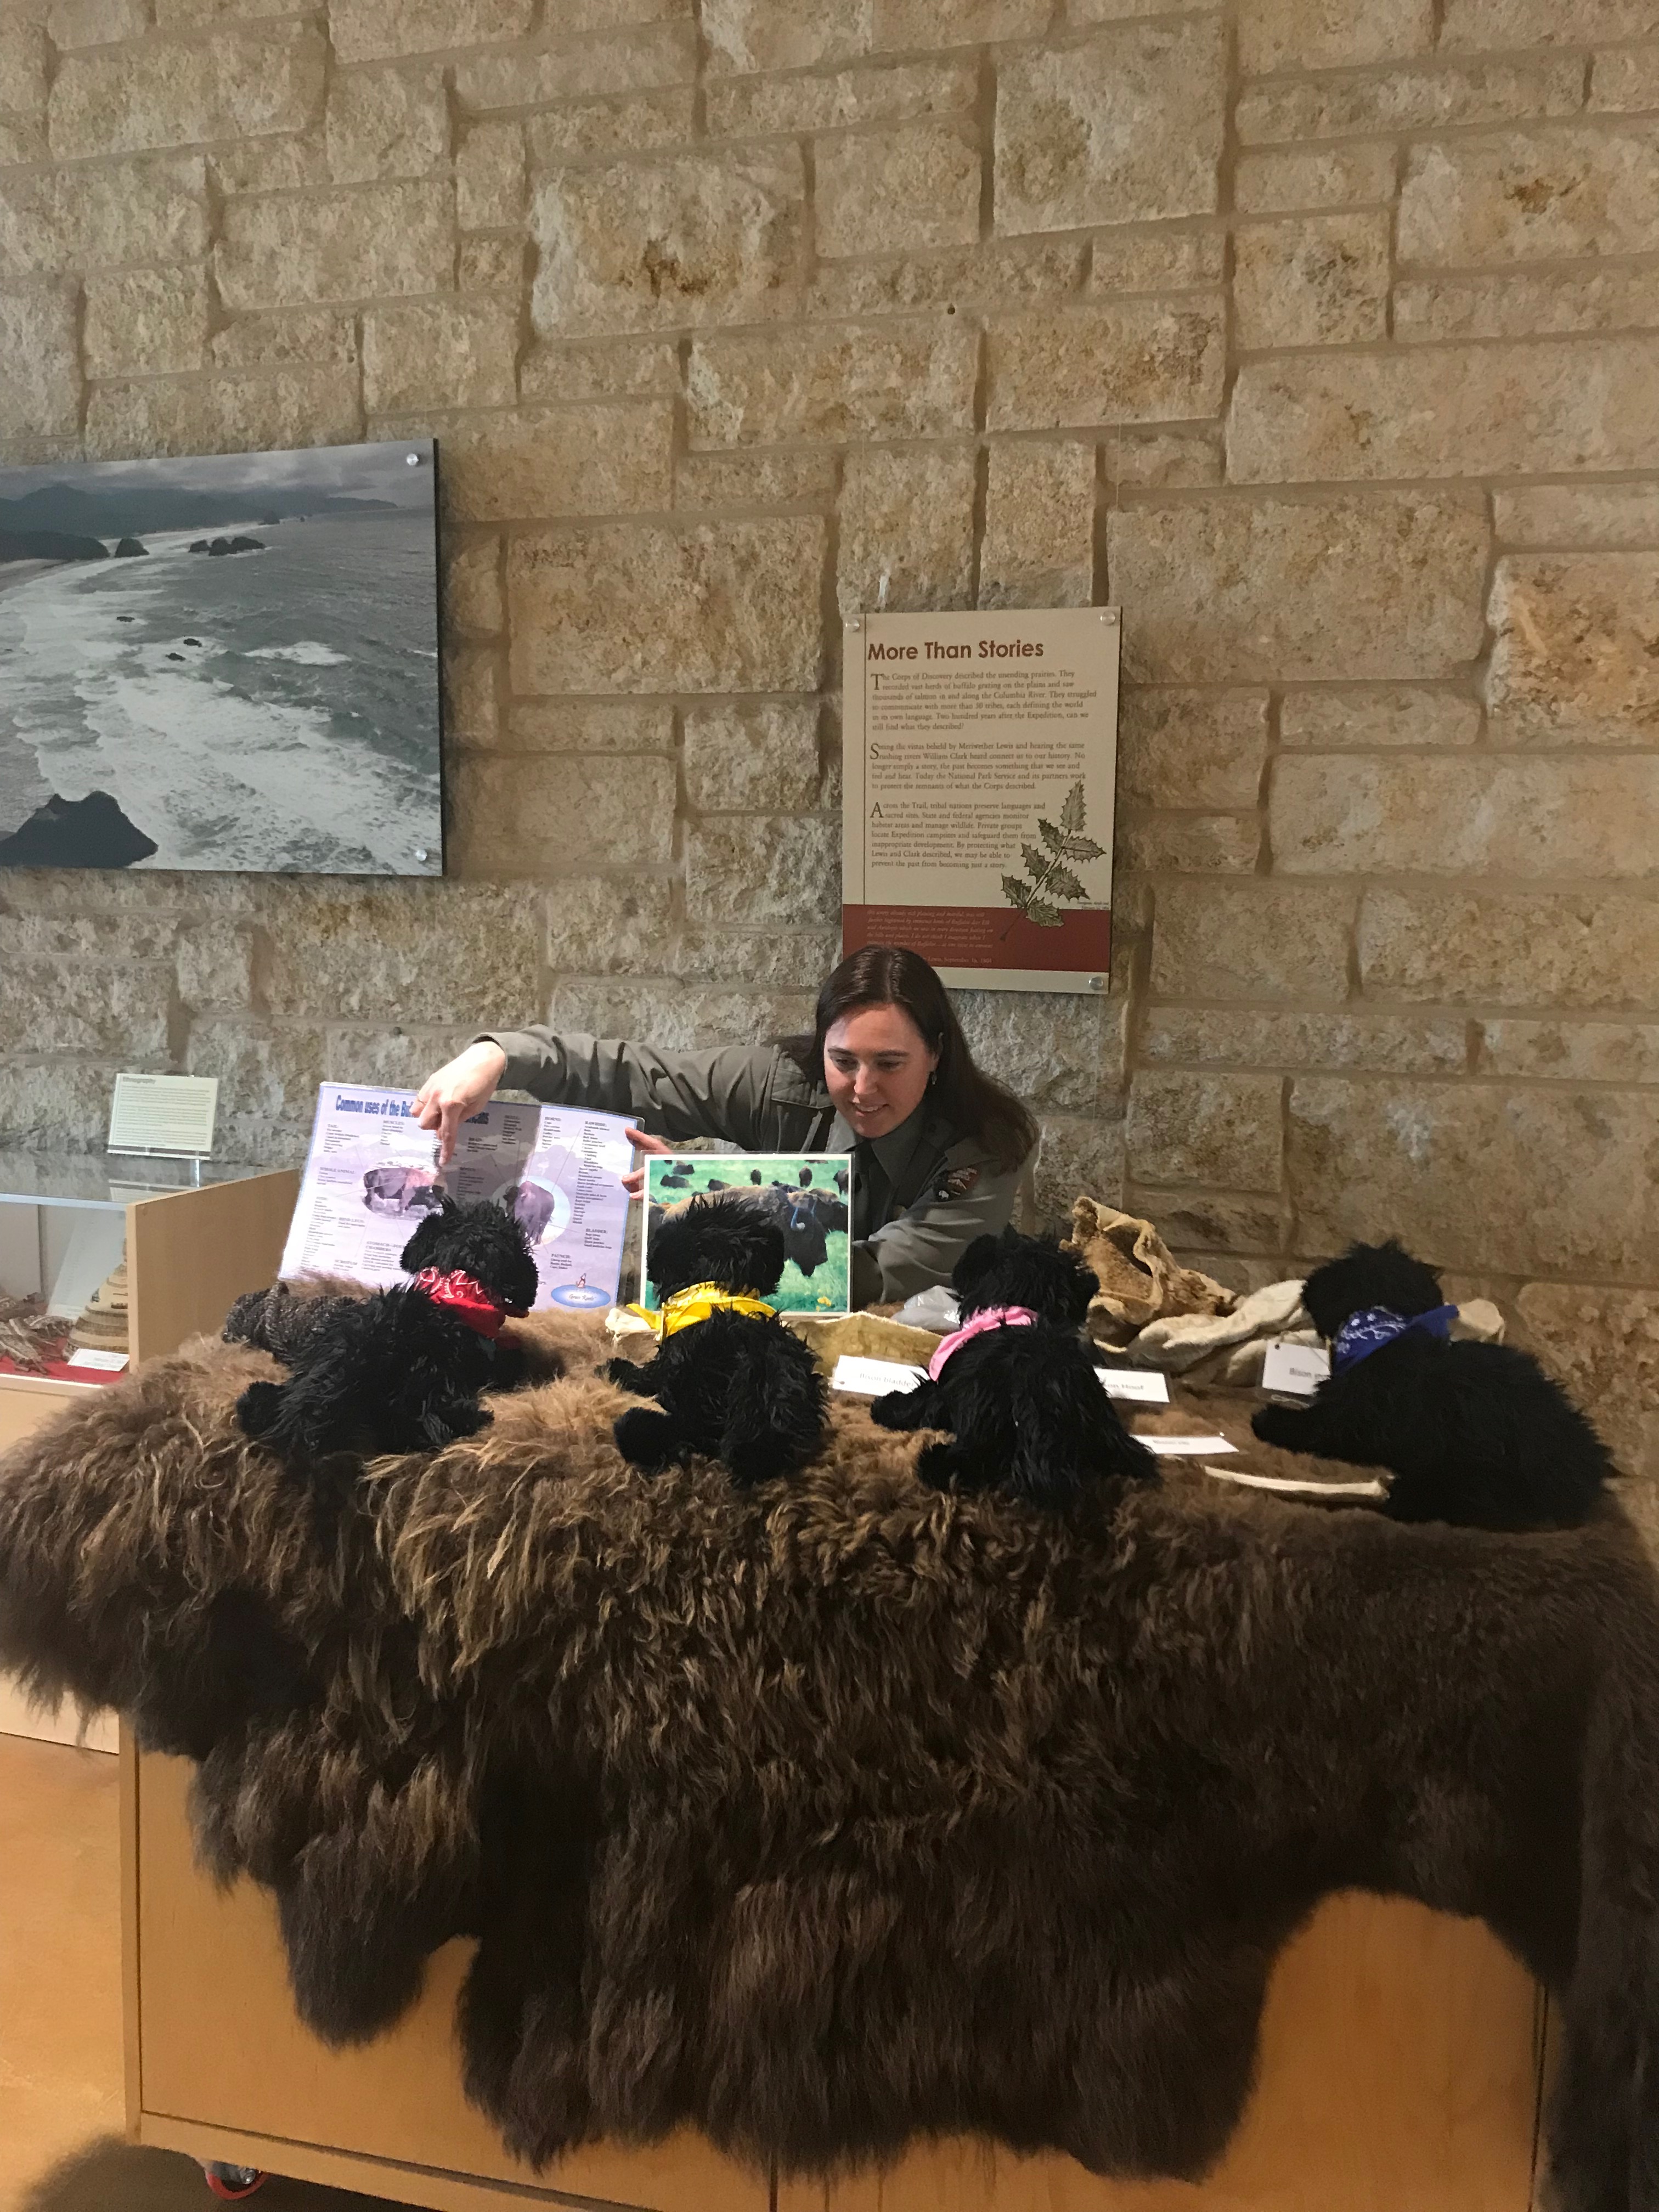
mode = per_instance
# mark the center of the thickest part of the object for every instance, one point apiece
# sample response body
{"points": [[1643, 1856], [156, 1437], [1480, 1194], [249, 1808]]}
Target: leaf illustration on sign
{"points": [[1050, 878]]}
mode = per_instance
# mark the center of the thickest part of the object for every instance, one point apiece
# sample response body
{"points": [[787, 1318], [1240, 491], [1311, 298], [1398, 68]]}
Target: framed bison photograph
{"points": [[807, 1195]]}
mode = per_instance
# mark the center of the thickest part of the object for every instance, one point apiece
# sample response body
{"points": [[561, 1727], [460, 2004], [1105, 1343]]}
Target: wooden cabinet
{"points": [[191, 1251]]}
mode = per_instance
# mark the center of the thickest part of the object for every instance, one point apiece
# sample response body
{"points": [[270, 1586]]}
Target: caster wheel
{"points": [[233, 2183]]}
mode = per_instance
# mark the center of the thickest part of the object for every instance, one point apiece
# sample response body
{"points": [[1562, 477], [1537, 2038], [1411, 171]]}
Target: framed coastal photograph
{"points": [[229, 662], [807, 1193]]}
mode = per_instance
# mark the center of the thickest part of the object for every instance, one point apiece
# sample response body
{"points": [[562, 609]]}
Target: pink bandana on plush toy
{"points": [[992, 1317]]}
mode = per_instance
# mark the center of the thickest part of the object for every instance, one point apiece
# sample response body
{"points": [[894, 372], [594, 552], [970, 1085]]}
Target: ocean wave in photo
{"points": [[266, 710]]}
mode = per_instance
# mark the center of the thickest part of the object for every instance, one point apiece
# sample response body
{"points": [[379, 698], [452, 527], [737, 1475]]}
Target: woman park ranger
{"points": [[938, 1149]]}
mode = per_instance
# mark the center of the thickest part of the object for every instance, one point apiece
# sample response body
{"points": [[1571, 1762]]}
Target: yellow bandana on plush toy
{"points": [[695, 1304]]}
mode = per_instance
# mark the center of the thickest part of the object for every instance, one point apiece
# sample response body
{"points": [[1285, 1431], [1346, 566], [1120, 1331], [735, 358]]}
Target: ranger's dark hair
{"points": [[893, 975]]}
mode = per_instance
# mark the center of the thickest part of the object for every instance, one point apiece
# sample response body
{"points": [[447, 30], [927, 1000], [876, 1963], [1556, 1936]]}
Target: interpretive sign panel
{"points": [[979, 754]]}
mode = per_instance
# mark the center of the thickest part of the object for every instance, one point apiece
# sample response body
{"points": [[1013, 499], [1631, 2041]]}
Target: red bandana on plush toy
{"points": [[467, 1299]]}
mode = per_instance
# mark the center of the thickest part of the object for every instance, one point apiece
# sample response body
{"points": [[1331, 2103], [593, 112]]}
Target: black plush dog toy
{"points": [[731, 1382], [1475, 1434], [1016, 1383], [402, 1371]]}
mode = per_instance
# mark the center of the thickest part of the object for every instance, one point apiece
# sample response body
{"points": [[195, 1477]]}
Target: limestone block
{"points": [[1333, 814], [904, 377], [888, 92], [1603, 1346], [1477, 1175], [758, 759], [490, 180], [472, 587], [633, 60], [913, 186], [1526, 303], [1276, 35], [267, 1079], [1621, 82], [591, 725], [990, 275], [387, 122], [631, 125], [758, 869], [1228, 591], [1255, 941], [86, 939], [533, 816], [1192, 749], [1038, 546], [471, 685], [1045, 1046], [145, 321], [368, 242], [1377, 714], [441, 353], [1336, 176], [610, 925], [490, 264], [955, 23], [267, 78], [318, 337], [1080, 1155], [271, 165], [1469, 410], [53, 1105], [1161, 259], [612, 368], [1240, 1036], [1206, 1222], [71, 24], [1149, 843], [1153, 460], [1316, 280], [906, 516], [678, 1017], [732, 607], [1533, 195], [597, 457], [214, 965], [1582, 949], [701, 238], [1576, 653], [762, 479], [24, 68], [377, 30], [41, 390], [1121, 361], [108, 1011], [103, 216], [1220, 1129], [231, 414], [770, 34], [1510, 89], [355, 951], [1578, 514], [1532, 22], [202, 14], [21, 143], [580, 16], [1126, 127], [1569, 1051]]}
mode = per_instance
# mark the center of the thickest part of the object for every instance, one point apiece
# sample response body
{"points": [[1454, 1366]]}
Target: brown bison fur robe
{"points": [[843, 1809]]}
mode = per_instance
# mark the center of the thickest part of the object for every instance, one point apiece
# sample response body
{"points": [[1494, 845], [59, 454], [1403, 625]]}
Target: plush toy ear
{"points": [[976, 1262]]}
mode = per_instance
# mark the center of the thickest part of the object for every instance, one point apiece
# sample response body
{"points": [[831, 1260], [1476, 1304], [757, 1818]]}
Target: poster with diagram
{"points": [[371, 1175], [980, 757]]}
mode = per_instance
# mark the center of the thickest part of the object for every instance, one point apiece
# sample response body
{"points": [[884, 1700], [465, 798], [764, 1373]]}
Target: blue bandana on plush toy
{"points": [[1373, 1326]]}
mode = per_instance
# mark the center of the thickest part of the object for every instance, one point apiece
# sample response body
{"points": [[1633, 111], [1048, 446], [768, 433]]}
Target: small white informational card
{"points": [[106, 1363], [370, 1178], [874, 1378], [1145, 1385], [166, 1114], [1296, 1369], [1187, 1447]]}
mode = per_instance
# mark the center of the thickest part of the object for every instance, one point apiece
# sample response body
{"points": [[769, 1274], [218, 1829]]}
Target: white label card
{"points": [[1298, 1369], [874, 1378], [164, 1113], [1145, 1384], [107, 1363], [1186, 1446]]}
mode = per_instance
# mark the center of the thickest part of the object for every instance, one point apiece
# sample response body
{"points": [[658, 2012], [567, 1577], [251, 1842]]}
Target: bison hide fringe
{"points": [[842, 1810]]}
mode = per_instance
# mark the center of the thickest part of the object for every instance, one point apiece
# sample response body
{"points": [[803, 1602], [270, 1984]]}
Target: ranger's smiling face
{"points": [[876, 1065]]}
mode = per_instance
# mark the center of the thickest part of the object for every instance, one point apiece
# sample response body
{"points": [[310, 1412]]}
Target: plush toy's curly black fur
{"points": [[1024, 1405], [738, 1388], [1476, 1434], [399, 1372]]}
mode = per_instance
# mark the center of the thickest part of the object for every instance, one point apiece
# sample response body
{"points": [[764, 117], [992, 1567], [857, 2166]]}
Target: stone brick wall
{"points": [[1320, 333]]}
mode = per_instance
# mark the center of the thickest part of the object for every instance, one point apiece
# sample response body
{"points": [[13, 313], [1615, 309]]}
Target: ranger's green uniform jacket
{"points": [[920, 1195]]}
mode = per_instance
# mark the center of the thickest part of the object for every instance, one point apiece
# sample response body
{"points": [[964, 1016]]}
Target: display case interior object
{"points": [[105, 1261]]}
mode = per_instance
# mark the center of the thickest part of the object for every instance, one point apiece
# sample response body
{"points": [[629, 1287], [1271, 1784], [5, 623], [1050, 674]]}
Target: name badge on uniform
{"points": [[957, 1183]]}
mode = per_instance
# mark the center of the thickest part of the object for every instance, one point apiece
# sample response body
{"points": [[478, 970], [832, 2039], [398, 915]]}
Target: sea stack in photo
{"points": [[77, 833], [128, 547]]}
